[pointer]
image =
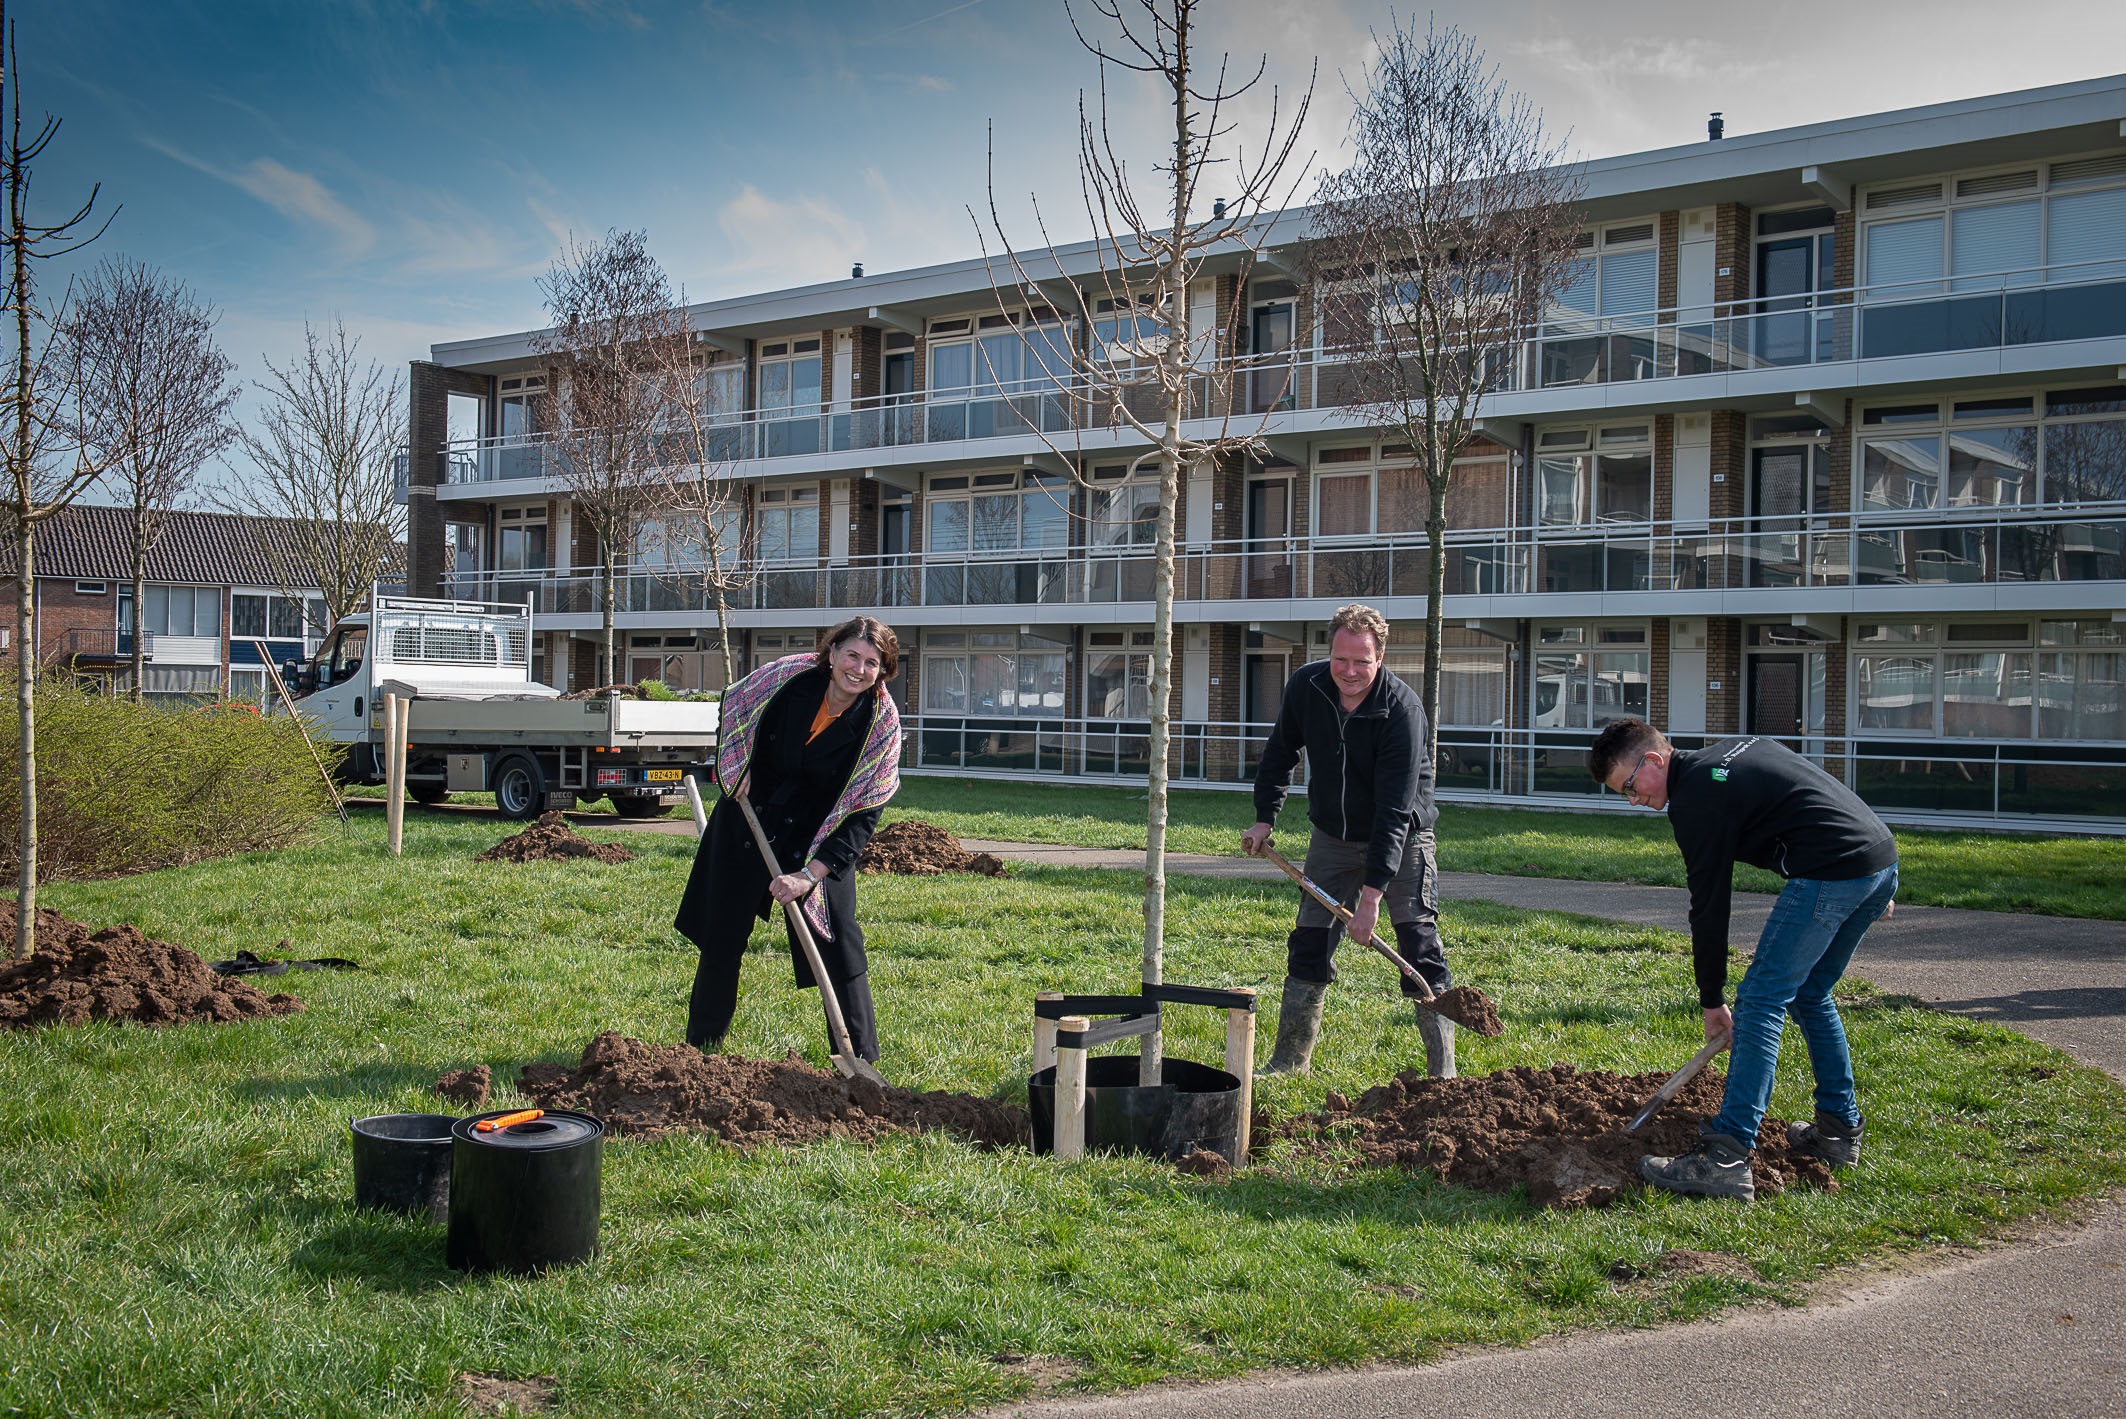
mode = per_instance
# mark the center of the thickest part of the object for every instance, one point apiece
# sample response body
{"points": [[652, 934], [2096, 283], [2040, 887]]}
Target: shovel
{"points": [[1343, 914], [846, 1059], [1676, 1081]]}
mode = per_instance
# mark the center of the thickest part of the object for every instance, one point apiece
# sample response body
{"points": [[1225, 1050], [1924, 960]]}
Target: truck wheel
{"points": [[520, 787], [428, 793], [636, 805]]}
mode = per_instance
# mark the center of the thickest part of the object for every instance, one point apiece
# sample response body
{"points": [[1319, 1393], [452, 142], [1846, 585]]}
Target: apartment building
{"points": [[1825, 440], [214, 596]]}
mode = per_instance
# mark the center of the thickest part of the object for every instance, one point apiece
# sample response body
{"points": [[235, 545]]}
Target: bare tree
{"points": [[699, 507], [1433, 254], [325, 447], [1157, 376], [49, 463], [156, 395], [611, 348]]}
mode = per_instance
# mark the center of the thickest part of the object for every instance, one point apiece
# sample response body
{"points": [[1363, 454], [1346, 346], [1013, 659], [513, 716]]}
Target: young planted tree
{"points": [[617, 338], [1433, 254], [1157, 378], [326, 447], [156, 395], [49, 462], [698, 506]]}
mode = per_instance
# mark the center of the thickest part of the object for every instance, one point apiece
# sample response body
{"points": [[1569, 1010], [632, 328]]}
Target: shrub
{"points": [[124, 787], [655, 690]]}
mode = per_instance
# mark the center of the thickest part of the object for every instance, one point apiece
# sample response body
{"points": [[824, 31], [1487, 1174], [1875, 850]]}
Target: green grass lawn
{"points": [[1985, 871], [179, 1236]]}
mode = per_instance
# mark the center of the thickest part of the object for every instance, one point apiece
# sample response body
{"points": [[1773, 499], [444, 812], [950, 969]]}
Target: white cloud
{"points": [[794, 241], [302, 198]]}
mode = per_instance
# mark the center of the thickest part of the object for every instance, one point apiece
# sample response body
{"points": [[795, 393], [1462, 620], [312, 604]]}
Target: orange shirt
{"points": [[821, 718]]}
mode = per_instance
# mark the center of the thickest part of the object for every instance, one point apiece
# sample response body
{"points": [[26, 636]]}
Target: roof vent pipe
{"points": [[856, 271], [1715, 127]]}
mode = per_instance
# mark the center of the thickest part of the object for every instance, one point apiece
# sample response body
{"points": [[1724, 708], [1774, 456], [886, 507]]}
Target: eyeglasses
{"points": [[1633, 777]]}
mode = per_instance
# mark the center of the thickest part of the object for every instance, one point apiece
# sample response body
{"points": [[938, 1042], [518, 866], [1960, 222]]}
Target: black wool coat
{"points": [[794, 786]]}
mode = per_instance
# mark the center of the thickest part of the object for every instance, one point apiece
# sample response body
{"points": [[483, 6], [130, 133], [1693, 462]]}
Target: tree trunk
{"points": [[140, 636], [26, 715], [1435, 593], [612, 594]]}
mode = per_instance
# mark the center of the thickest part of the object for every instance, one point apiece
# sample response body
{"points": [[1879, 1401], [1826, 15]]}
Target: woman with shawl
{"points": [[814, 742]]}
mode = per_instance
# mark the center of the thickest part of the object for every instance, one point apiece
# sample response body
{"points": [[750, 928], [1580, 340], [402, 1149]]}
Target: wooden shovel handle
{"points": [[1343, 913], [845, 1057], [1677, 1080]]}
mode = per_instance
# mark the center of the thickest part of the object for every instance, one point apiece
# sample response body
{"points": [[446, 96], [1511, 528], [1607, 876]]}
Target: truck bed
{"points": [[601, 722]]}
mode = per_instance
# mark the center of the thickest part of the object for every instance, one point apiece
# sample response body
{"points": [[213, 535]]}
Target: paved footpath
{"points": [[2035, 1326]]}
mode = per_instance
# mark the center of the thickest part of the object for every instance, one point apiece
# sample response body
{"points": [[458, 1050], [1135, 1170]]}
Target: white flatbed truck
{"points": [[477, 721]]}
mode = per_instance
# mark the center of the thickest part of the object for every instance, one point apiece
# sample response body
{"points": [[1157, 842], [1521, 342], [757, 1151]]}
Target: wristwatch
{"points": [[807, 870]]}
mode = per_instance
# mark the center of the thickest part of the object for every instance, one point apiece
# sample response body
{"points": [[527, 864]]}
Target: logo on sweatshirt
{"points": [[1719, 775]]}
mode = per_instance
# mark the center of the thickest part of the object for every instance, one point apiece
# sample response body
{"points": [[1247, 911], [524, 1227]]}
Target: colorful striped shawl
{"points": [[872, 783]]}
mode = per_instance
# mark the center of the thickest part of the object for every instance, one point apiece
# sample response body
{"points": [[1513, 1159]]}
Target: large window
{"points": [[789, 377], [1586, 676], [1363, 492], [1614, 275], [183, 611], [2007, 680], [1995, 451], [1118, 675], [2063, 221], [789, 524], [994, 672], [1610, 478], [972, 519], [261, 615], [1003, 353]]}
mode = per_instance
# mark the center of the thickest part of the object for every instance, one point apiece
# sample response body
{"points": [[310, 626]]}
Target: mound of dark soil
{"points": [[78, 973], [466, 1086], [915, 848], [551, 839], [649, 1090], [1558, 1130]]}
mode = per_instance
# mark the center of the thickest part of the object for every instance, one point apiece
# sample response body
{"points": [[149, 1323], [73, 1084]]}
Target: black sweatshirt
{"points": [[1756, 801], [1368, 779]]}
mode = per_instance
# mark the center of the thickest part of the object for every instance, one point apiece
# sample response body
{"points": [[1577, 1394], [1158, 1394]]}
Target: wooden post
{"points": [[701, 814], [394, 800], [1240, 1062], [1070, 1093], [1044, 1034]]}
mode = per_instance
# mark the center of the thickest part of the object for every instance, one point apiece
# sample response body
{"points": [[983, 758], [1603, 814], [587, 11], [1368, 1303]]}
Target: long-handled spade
{"points": [[846, 1059], [1454, 1004], [1676, 1081]]}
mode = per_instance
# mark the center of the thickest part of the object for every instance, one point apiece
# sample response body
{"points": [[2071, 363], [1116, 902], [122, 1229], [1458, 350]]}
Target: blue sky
{"points": [[414, 167]]}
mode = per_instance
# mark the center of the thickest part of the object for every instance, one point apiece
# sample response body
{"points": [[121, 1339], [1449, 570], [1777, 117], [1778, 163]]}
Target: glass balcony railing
{"points": [[2025, 307], [2080, 543]]}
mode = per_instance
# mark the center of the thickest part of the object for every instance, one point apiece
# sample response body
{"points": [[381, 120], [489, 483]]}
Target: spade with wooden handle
{"points": [[1676, 1081], [1343, 914], [846, 1059]]}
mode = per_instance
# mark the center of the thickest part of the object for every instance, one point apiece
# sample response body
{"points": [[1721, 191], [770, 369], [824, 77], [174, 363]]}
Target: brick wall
{"points": [[1723, 667], [1657, 673], [429, 387], [1664, 467], [1670, 238], [1731, 252]]}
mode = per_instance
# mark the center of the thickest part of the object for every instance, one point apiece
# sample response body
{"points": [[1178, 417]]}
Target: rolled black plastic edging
{"points": [[1194, 1106], [402, 1163], [525, 1198]]}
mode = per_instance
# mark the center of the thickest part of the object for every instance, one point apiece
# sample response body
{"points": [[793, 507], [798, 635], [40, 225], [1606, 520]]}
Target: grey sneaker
{"points": [[1833, 1140], [1718, 1167]]}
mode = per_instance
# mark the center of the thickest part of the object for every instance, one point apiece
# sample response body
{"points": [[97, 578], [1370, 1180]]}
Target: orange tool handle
{"points": [[489, 1125]]}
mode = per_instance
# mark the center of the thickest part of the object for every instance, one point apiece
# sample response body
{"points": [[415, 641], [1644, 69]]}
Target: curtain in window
{"points": [[1346, 506], [1992, 239], [2087, 226], [1902, 252], [1628, 284]]}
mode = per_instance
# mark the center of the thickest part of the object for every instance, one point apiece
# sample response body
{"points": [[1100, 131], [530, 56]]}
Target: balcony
{"points": [[1997, 547], [83, 646], [2037, 306]]}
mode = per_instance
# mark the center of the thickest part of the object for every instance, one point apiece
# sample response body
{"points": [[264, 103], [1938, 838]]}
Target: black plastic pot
{"points": [[524, 1198], [1193, 1106], [402, 1163]]}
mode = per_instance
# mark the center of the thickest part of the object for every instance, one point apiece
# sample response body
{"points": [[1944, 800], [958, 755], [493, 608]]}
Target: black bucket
{"points": [[1193, 1106], [402, 1163], [524, 1198]]}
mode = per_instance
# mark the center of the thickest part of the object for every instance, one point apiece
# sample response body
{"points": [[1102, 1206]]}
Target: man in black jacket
{"points": [[1754, 800], [1369, 797]]}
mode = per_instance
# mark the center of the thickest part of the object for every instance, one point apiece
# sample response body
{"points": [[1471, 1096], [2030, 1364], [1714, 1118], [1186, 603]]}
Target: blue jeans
{"points": [[1805, 948]]}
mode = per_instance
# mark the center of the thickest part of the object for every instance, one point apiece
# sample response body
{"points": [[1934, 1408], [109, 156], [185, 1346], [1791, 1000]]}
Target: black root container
{"points": [[1193, 1106], [402, 1163], [524, 1198]]}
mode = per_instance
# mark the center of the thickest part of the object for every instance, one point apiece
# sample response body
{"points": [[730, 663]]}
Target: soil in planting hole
{"points": [[1559, 1130], [649, 1090], [551, 839], [78, 973], [915, 848]]}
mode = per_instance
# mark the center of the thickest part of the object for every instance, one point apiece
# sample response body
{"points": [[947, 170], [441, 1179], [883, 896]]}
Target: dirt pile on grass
{"points": [[649, 1090], [1559, 1130], [551, 839], [915, 848], [78, 973]]}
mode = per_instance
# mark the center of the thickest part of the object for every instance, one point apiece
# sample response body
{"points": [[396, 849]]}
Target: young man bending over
{"points": [[1754, 800]]}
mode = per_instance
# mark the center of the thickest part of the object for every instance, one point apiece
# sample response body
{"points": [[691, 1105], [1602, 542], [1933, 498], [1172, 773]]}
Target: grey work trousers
{"points": [[1409, 904]]}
